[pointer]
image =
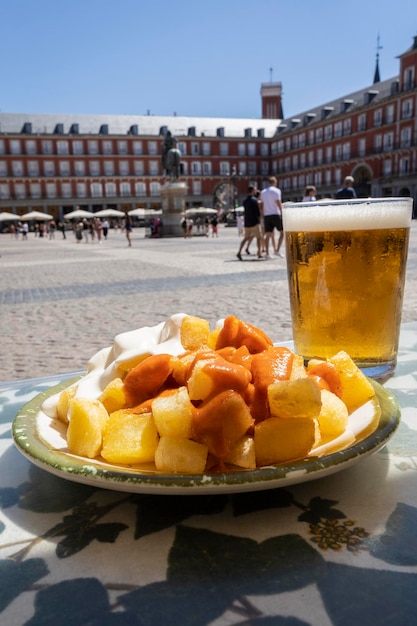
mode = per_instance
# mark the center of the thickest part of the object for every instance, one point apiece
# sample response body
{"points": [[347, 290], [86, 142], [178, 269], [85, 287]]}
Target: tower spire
{"points": [[377, 77]]}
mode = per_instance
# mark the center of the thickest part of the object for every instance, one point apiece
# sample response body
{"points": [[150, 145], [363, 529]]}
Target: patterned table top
{"points": [[340, 550]]}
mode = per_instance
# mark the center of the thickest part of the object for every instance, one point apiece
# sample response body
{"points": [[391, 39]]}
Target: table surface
{"points": [[340, 550]]}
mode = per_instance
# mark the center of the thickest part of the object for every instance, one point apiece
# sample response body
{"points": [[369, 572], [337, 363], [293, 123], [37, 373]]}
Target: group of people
{"points": [[91, 229], [187, 225], [262, 217]]}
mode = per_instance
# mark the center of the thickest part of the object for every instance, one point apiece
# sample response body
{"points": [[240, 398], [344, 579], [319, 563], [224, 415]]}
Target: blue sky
{"points": [[193, 57]]}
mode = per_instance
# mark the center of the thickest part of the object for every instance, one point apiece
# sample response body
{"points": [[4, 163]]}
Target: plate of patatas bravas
{"points": [[181, 408]]}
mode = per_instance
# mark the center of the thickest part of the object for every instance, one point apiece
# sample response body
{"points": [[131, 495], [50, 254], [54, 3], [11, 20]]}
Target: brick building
{"points": [[55, 163]]}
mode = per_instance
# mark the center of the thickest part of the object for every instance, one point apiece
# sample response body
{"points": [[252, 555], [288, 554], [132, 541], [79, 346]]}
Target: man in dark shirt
{"points": [[252, 221], [347, 191]]}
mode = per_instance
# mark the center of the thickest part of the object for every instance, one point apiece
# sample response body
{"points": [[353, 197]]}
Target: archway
{"points": [[362, 184]]}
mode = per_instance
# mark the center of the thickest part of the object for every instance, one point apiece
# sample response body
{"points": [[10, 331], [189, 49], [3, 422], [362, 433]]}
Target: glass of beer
{"points": [[346, 262]]}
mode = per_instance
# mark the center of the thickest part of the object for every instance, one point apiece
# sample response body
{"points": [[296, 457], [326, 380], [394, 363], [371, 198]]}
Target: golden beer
{"points": [[346, 263]]}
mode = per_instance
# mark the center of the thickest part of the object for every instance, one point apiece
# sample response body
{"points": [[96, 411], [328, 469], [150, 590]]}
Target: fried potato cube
{"points": [[213, 374], [173, 412], [294, 398], [194, 332], [129, 438], [242, 453], [212, 339], [113, 397], [221, 421], [185, 456], [87, 420], [333, 418], [297, 368], [146, 379], [356, 388], [63, 403], [280, 440], [235, 332]]}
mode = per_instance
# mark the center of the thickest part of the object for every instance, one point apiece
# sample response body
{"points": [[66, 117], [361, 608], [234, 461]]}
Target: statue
{"points": [[171, 157]]}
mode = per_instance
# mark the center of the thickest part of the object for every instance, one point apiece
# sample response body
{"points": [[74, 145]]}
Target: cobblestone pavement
{"points": [[61, 301]]}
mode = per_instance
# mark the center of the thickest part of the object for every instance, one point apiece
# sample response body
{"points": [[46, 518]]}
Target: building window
{"points": [[155, 189], [109, 168], [406, 137], [94, 168], [4, 191], [389, 114], [319, 157], [339, 152], [123, 168], [152, 148], [328, 177], [195, 148], [224, 168], [409, 78], [3, 168], [19, 191], [302, 140], [319, 135], [295, 142], [33, 168], [2, 146], [125, 189], [30, 146], [50, 190], [122, 147], [302, 180], [362, 147], [338, 129], [154, 168], [346, 151], [329, 154], [107, 147], [110, 189], [206, 148], [317, 179], [241, 149], [378, 117], [81, 190], [378, 143], [96, 190], [311, 158], [264, 149], [295, 162], [347, 126], [62, 147], [35, 190], [311, 137], [182, 147], [287, 145], [224, 148], [280, 146], [242, 168], [264, 168], [66, 190], [93, 146], [184, 167], [138, 168], [328, 132], [196, 168], [64, 168], [140, 189], [302, 160], [49, 168], [47, 147], [207, 171], [197, 187], [77, 147], [388, 141], [79, 168], [252, 171], [362, 122], [404, 166], [15, 146], [338, 176], [137, 147], [17, 168], [406, 109], [387, 167]]}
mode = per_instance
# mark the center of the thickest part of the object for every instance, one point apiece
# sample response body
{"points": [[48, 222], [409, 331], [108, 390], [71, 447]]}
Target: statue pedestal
{"points": [[173, 208]]}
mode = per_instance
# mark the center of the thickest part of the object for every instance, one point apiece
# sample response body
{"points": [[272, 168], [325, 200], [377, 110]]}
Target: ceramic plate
{"points": [[42, 440]]}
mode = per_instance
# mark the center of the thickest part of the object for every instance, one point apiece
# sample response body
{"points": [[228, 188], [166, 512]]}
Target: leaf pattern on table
{"points": [[245, 503], [209, 572], [18, 577], [78, 602], [398, 544]]}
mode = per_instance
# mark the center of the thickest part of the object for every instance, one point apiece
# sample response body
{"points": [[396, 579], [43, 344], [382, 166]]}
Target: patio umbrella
{"points": [[35, 215], [77, 214], [5, 216], [201, 210], [109, 213]]}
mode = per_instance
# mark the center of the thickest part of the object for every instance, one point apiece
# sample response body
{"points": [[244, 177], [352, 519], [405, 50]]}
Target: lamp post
{"points": [[232, 192]]}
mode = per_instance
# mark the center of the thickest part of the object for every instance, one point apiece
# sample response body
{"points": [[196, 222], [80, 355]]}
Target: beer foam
{"points": [[360, 214]]}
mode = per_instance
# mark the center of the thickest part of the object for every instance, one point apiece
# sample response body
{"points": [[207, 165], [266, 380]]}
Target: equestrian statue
{"points": [[171, 157]]}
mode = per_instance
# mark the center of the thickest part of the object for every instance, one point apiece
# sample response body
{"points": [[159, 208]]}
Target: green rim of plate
{"points": [[90, 471]]}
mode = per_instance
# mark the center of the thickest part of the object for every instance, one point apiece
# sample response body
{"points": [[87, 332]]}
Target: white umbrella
{"points": [[109, 213], [201, 210], [5, 216], [36, 215], [77, 214], [141, 212]]}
